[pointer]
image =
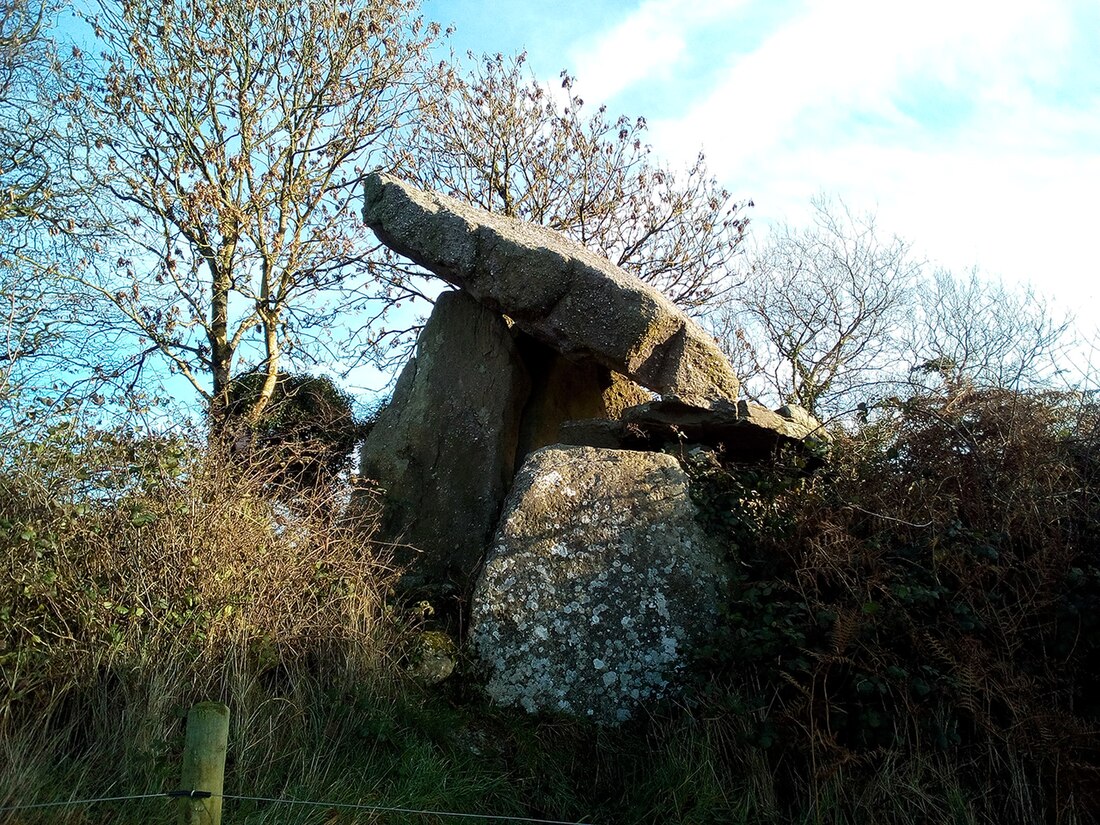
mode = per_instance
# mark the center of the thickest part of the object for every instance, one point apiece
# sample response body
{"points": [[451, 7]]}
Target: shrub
{"points": [[305, 434], [144, 574], [932, 602]]}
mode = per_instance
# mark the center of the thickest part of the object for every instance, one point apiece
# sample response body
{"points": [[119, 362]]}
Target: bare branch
{"points": [[228, 138]]}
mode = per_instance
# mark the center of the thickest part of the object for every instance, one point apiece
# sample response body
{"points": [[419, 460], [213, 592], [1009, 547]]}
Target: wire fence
{"points": [[378, 809]]}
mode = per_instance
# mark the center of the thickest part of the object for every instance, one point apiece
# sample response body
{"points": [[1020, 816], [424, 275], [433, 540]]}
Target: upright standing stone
{"points": [[444, 449]]}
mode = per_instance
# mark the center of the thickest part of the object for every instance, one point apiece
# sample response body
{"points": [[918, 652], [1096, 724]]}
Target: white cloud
{"points": [[846, 56], [647, 43], [964, 123]]}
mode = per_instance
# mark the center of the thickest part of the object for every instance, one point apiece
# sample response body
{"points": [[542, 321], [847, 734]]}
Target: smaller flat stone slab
{"points": [[742, 430], [554, 289]]}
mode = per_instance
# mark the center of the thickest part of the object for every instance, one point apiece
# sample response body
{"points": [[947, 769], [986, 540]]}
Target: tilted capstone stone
{"points": [[554, 289]]}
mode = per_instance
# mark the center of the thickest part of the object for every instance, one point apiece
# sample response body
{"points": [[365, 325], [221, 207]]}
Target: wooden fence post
{"points": [[204, 763]]}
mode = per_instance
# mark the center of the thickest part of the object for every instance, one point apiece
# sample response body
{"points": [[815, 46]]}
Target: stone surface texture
{"points": [[556, 290], [444, 448], [598, 583], [563, 389], [742, 431]]}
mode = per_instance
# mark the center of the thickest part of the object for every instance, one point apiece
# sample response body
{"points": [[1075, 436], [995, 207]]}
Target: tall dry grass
{"points": [[141, 575]]}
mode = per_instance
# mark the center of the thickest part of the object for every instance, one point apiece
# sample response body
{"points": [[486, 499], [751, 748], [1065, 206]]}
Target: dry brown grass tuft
{"points": [[142, 575]]}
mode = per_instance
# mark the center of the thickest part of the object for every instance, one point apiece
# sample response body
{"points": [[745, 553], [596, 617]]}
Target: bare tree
{"points": [[26, 124], [224, 144], [975, 331], [32, 202], [496, 137], [823, 311], [835, 317]]}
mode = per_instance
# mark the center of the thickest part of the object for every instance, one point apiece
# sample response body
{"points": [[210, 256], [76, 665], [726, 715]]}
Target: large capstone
{"points": [[598, 585], [557, 291], [444, 448]]}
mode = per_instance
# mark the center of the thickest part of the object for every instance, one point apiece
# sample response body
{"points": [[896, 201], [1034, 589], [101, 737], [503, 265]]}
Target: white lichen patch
{"points": [[550, 479]]}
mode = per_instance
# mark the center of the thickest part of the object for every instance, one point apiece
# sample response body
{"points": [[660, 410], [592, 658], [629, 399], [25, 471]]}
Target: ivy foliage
{"points": [[935, 591], [306, 432]]}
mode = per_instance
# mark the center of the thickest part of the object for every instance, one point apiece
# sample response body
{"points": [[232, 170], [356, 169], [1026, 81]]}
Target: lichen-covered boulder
{"points": [[598, 585]]}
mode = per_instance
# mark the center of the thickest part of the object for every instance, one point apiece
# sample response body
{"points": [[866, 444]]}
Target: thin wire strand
{"points": [[380, 809], [80, 802], [350, 805]]}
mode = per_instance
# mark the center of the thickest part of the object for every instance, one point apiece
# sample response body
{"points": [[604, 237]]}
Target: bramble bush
{"points": [[923, 615]]}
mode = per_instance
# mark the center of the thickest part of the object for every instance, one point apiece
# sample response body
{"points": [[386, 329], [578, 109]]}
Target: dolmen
{"points": [[526, 463]]}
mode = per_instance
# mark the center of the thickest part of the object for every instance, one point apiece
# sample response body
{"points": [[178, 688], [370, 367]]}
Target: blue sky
{"points": [[971, 127]]}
